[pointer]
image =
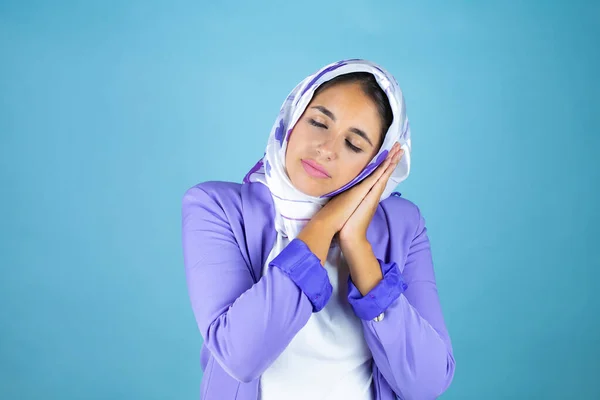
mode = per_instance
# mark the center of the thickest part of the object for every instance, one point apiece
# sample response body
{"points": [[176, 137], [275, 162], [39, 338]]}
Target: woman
{"points": [[309, 280]]}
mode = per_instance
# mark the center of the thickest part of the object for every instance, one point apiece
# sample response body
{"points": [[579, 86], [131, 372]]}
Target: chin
{"points": [[309, 190], [308, 186]]}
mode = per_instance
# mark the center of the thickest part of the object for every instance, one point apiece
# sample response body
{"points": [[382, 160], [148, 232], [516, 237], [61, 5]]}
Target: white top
{"points": [[328, 359]]}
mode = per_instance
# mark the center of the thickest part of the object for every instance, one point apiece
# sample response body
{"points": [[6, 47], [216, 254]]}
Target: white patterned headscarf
{"points": [[293, 209]]}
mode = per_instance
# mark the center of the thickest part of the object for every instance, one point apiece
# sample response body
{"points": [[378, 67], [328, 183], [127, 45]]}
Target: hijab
{"points": [[293, 209]]}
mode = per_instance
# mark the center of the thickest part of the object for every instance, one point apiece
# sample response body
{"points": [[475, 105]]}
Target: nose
{"points": [[326, 150]]}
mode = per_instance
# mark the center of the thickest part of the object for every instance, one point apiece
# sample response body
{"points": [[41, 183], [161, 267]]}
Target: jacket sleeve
{"points": [[245, 325], [410, 345]]}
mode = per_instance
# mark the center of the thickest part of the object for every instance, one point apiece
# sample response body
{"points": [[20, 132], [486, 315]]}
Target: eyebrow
{"points": [[359, 132], [325, 111]]}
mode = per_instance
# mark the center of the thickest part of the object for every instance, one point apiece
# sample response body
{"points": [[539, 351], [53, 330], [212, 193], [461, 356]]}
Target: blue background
{"points": [[109, 111]]}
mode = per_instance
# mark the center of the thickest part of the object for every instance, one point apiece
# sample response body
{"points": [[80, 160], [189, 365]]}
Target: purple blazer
{"points": [[247, 320]]}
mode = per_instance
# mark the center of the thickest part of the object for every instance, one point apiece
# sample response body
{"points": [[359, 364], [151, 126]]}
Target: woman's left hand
{"points": [[355, 228]]}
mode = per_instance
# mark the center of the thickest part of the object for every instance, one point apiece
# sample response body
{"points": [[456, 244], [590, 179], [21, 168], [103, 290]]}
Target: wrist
{"points": [[351, 241], [323, 226], [354, 244], [317, 236]]}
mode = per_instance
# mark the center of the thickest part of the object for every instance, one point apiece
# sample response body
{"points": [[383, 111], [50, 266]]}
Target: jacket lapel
{"points": [[258, 213]]}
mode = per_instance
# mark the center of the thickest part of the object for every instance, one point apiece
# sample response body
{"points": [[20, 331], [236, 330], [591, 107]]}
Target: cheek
{"points": [[347, 170], [296, 142], [291, 152], [351, 167]]}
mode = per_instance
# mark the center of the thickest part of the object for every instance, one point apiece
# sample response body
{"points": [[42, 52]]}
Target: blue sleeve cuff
{"points": [[305, 269], [381, 296]]}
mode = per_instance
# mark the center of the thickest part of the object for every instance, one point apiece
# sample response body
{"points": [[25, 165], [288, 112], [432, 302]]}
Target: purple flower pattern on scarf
{"points": [[279, 132]]}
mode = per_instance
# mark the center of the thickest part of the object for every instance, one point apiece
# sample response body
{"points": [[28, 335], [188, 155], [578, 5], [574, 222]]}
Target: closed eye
{"points": [[348, 143], [317, 124], [353, 147]]}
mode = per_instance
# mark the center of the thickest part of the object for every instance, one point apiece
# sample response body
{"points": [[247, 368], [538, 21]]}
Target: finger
{"points": [[375, 175], [371, 199], [382, 181], [380, 184], [393, 158], [399, 156], [368, 183]]}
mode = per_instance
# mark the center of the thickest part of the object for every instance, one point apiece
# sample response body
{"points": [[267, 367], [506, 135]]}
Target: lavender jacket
{"points": [[247, 320]]}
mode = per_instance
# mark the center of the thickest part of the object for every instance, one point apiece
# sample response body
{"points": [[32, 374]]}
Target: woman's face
{"points": [[334, 139]]}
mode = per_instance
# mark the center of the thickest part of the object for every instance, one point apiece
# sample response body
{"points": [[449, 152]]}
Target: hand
{"points": [[335, 214], [354, 230], [319, 231]]}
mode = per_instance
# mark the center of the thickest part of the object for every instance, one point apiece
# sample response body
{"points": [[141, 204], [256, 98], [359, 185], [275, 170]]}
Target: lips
{"points": [[314, 169]]}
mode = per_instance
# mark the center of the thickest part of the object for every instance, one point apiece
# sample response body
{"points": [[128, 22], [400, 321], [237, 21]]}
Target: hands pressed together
{"points": [[349, 214]]}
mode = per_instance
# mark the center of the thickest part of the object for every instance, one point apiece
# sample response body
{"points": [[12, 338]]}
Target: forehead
{"points": [[348, 102], [345, 96]]}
